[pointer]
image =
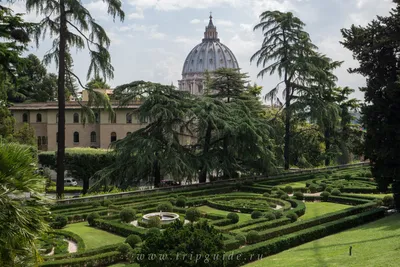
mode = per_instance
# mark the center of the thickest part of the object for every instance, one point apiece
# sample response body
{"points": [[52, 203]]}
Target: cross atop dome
{"points": [[211, 31]]}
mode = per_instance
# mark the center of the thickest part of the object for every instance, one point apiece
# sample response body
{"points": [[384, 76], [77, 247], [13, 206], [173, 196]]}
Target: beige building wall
{"points": [[43, 118]]}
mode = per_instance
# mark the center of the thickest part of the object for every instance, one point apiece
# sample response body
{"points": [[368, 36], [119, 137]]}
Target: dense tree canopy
{"points": [[377, 48]]}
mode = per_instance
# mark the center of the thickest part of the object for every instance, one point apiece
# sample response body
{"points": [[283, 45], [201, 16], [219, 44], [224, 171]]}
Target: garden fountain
{"points": [[165, 217]]}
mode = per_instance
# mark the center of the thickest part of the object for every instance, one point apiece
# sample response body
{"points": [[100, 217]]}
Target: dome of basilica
{"points": [[209, 55]]}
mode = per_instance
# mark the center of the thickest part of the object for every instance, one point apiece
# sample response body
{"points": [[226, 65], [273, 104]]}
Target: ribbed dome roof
{"points": [[210, 54]]}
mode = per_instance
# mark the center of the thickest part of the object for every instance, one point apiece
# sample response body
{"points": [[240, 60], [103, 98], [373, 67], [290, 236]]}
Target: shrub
{"points": [[174, 196], [59, 222], [328, 189], [233, 217], [325, 195], [106, 202], [252, 237], [266, 194], [96, 204], [241, 238], [270, 216], [298, 195], [113, 207], [388, 201], [91, 217], [133, 240], [313, 188], [280, 192], [127, 215], [347, 177], [292, 216], [336, 192], [256, 214], [166, 206], [124, 249], [154, 222], [153, 231], [289, 189], [378, 202], [284, 197], [308, 184], [193, 214], [322, 186], [180, 202], [278, 214]]}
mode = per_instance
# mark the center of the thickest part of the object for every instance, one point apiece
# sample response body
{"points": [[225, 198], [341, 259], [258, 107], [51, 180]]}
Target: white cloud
{"points": [[221, 22], [151, 30], [136, 15], [169, 5], [195, 21]]}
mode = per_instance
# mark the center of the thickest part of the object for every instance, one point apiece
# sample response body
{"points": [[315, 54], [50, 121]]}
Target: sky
{"points": [[153, 41]]}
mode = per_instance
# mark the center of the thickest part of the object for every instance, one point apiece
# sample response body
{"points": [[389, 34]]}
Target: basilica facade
{"points": [[209, 55]]}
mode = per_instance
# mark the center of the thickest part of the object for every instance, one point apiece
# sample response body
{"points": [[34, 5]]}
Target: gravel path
{"points": [[51, 253], [72, 246]]}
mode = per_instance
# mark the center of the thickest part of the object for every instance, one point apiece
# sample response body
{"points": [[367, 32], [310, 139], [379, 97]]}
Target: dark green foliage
{"points": [[270, 216], [127, 215], [388, 201], [289, 189], [252, 237], [381, 67], [292, 216], [256, 214], [233, 217], [336, 192], [154, 222], [59, 222], [266, 195], [92, 217], [241, 239], [133, 240], [278, 214], [106, 203], [192, 214], [200, 239], [181, 202], [152, 231], [298, 195], [284, 197], [313, 188], [124, 249], [328, 189], [167, 206], [325, 195], [96, 204]]}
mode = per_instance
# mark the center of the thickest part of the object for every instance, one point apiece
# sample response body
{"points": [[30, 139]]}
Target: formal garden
{"points": [[255, 219]]}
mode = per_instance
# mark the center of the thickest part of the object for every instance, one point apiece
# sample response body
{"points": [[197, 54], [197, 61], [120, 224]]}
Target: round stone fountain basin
{"points": [[165, 217]]}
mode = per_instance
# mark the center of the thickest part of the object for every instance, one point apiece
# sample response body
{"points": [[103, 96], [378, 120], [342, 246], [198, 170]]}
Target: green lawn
{"points": [[315, 209], [242, 216], [373, 195], [295, 184], [93, 237], [374, 245]]}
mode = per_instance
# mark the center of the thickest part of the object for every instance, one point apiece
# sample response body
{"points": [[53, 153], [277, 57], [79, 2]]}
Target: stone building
{"points": [[209, 55]]}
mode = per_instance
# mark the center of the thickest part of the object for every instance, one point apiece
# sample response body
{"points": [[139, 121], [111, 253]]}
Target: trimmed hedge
{"points": [[85, 253], [73, 237], [119, 228], [103, 259], [264, 225], [276, 245]]}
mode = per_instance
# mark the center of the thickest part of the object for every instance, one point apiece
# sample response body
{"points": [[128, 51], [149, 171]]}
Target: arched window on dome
{"points": [[192, 61]]}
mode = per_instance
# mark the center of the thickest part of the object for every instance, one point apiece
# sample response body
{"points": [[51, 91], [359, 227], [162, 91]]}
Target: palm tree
{"points": [[287, 50], [70, 24], [21, 219]]}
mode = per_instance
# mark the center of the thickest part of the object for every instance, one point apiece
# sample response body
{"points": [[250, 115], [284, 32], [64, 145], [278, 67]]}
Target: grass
{"points": [[373, 244], [295, 184], [373, 195], [93, 237], [125, 265], [315, 209], [242, 216]]}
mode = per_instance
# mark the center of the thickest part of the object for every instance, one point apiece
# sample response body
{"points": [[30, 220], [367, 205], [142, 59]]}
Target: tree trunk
{"points": [[286, 152], [156, 173], [206, 148], [327, 136], [85, 185], [61, 103]]}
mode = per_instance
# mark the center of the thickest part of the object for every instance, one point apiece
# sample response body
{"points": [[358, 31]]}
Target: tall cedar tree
{"points": [[377, 48], [287, 50], [70, 24]]}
